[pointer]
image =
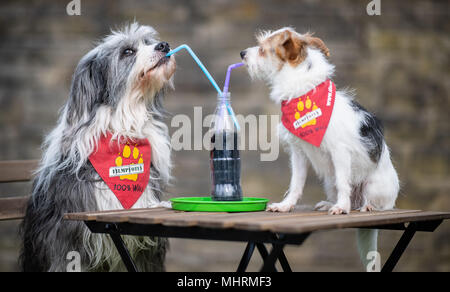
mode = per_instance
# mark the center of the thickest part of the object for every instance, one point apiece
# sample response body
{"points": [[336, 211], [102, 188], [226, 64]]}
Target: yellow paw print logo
{"points": [[308, 106], [126, 153]]}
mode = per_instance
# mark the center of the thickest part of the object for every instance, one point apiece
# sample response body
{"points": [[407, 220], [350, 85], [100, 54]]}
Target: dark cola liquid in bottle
{"points": [[225, 159]]}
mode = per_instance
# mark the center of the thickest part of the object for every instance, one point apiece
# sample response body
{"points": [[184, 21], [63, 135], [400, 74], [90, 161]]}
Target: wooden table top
{"points": [[293, 222]]}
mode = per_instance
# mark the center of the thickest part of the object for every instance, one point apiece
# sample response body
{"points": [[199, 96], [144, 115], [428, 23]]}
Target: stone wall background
{"points": [[398, 63]]}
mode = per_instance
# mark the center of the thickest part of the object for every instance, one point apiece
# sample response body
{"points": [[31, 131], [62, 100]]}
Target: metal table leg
{"points": [[410, 231], [399, 249], [246, 257], [284, 262], [121, 248], [264, 254], [271, 259]]}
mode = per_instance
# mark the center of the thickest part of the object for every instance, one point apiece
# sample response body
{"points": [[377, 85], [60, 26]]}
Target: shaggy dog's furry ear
{"points": [[88, 87]]}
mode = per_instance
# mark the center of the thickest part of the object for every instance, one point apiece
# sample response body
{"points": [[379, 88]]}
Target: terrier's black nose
{"points": [[243, 53], [163, 47]]}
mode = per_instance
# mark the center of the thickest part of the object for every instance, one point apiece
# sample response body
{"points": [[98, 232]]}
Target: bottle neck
{"points": [[225, 110], [224, 98]]}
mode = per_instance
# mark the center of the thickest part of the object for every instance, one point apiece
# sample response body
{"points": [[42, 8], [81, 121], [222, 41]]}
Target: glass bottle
{"points": [[225, 160]]}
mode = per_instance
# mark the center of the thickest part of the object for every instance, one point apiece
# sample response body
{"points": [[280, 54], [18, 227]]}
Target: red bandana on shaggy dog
{"points": [[124, 167], [307, 116]]}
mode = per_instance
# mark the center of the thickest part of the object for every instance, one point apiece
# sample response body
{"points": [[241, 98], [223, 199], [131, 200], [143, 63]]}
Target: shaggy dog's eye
{"points": [[128, 52], [261, 51]]}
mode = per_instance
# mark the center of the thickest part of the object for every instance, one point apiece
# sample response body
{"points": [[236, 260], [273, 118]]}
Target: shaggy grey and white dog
{"points": [[117, 87]]}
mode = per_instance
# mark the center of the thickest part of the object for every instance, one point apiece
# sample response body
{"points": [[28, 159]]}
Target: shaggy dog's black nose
{"points": [[163, 47], [243, 53]]}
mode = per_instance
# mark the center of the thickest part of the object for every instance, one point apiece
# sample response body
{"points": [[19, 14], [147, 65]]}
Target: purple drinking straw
{"points": [[227, 78]]}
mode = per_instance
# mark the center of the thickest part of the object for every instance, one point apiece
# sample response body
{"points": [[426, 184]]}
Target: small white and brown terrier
{"points": [[353, 159]]}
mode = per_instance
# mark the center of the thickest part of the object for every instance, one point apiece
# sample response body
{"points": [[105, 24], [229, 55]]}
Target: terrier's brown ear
{"points": [[293, 48], [318, 43]]}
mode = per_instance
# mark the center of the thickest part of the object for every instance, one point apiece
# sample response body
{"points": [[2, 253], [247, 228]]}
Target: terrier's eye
{"points": [[261, 51], [128, 52]]}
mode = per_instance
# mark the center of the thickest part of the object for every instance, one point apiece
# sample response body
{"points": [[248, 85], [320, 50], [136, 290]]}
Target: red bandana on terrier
{"points": [[124, 167], [307, 116]]}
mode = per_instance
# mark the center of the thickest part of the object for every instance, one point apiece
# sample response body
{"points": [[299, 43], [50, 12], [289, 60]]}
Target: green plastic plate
{"points": [[205, 204]]}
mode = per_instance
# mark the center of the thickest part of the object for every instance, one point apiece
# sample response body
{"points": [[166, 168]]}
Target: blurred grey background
{"points": [[397, 62]]}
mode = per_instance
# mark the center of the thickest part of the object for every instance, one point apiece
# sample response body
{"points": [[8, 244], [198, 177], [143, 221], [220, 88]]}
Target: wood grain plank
{"points": [[231, 221], [92, 216], [187, 221], [366, 221], [13, 208], [17, 170], [354, 215], [6, 216], [125, 216], [159, 219], [295, 222], [206, 219], [215, 218]]}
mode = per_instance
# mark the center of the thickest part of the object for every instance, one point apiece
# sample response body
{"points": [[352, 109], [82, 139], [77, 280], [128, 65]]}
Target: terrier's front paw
{"points": [[280, 207], [323, 206], [367, 208], [338, 210]]}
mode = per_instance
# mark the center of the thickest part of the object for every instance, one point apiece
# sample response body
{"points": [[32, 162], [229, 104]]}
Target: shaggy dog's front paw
{"points": [[338, 210], [280, 207], [163, 204]]}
